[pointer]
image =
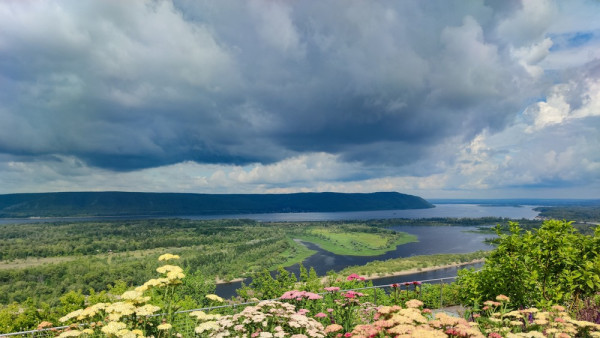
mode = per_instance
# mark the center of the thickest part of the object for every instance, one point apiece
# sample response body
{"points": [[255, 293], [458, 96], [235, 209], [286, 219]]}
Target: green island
{"points": [[355, 239]]}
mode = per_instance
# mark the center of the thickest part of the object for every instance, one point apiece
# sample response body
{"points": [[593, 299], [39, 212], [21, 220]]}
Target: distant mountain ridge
{"points": [[111, 203]]}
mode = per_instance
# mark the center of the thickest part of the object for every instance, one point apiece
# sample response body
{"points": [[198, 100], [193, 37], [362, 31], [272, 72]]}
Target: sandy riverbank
{"points": [[417, 270], [383, 275]]}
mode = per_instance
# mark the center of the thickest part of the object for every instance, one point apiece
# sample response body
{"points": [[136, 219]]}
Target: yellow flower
{"points": [[214, 297], [167, 257], [206, 326], [165, 326], [131, 295], [146, 310], [169, 268], [113, 327], [71, 333], [71, 315], [175, 275], [124, 333]]}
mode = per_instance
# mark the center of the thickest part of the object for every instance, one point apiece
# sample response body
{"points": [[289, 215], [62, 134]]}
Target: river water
{"points": [[441, 210]]}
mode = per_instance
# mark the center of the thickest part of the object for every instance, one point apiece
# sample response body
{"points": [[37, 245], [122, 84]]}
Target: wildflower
{"points": [[113, 327], [71, 315], [354, 276], [414, 303], [169, 268], [171, 275], [138, 332], [352, 294], [332, 289], [164, 326], [502, 298], [146, 310], [320, 315], [214, 298], [416, 283], [333, 328], [71, 333], [167, 257], [303, 311], [207, 326], [330, 310]]}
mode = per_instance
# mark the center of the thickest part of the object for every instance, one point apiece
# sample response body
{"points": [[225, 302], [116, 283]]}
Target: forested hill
{"points": [[64, 204]]}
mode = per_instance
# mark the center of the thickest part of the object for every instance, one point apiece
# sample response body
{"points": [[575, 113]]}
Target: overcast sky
{"points": [[442, 99]]}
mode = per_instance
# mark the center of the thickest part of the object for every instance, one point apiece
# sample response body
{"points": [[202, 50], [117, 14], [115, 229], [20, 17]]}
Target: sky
{"points": [[440, 99]]}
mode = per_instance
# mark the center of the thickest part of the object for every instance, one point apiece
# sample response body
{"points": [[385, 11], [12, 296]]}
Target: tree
{"points": [[551, 265]]}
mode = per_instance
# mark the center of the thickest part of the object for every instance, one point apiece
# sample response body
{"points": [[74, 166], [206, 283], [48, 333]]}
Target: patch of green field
{"points": [[348, 241], [296, 254]]}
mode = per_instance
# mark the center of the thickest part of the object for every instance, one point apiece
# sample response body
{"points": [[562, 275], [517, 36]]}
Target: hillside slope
{"points": [[62, 204]]}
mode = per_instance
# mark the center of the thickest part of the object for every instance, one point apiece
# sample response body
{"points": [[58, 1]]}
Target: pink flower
{"points": [[416, 283], [494, 335], [303, 311], [352, 276], [332, 289], [347, 334], [320, 315], [330, 310], [352, 294]]}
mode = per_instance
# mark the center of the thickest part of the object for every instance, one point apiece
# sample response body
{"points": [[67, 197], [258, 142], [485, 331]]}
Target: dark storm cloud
{"points": [[128, 85]]}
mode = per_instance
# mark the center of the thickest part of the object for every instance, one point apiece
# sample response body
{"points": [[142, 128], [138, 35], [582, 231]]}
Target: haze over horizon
{"points": [[477, 99]]}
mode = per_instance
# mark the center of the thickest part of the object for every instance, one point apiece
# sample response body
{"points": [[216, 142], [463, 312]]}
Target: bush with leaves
{"points": [[551, 265]]}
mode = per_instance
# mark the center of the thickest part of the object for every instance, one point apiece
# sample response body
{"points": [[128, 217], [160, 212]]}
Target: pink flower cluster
{"points": [[352, 294], [332, 289], [355, 277], [299, 295]]}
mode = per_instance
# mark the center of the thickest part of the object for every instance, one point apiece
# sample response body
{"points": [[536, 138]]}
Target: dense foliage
{"points": [[551, 265], [84, 255]]}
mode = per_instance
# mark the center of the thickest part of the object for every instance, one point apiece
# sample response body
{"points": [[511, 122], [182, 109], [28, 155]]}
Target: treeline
{"points": [[577, 213], [88, 238]]}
